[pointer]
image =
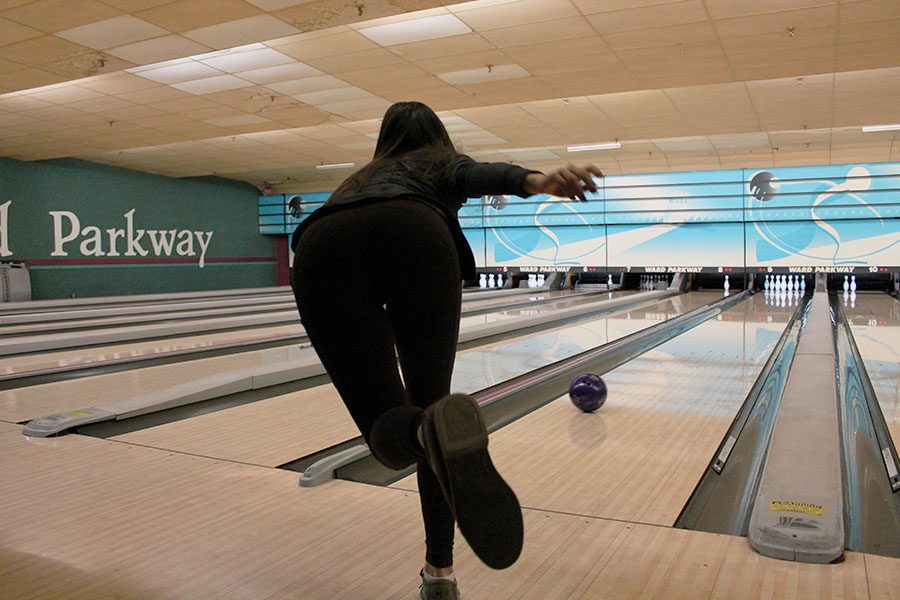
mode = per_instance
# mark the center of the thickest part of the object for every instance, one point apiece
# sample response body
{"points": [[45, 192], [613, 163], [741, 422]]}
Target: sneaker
{"points": [[486, 509], [438, 589]]}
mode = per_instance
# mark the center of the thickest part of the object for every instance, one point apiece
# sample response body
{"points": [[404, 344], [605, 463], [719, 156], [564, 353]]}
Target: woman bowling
{"points": [[398, 214]]}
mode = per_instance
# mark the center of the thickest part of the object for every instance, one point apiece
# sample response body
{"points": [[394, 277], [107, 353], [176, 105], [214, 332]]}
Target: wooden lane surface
{"points": [[25, 403], [98, 355], [20, 404], [875, 322], [492, 363], [30, 363], [639, 457], [275, 431], [270, 432], [104, 519]]}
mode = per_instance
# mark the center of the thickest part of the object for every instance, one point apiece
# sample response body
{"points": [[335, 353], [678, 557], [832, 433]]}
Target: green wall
{"points": [[96, 262]]}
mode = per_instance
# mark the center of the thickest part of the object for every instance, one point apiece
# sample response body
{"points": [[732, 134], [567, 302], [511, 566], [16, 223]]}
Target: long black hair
{"points": [[412, 138]]}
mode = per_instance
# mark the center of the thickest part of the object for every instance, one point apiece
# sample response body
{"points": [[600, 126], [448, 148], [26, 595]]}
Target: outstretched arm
{"points": [[566, 182], [474, 179]]}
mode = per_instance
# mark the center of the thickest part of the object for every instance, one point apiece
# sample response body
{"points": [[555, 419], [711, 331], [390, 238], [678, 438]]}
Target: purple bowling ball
{"points": [[587, 392]]}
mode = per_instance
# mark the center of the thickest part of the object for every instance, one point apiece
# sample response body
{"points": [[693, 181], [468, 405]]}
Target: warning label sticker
{"points": [[793, 506]]}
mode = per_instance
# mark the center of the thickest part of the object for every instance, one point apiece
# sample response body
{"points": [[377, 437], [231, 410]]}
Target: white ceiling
{"points": [[265, 90]]}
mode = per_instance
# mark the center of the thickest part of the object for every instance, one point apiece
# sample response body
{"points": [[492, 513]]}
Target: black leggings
{"points": [[368, 279]]}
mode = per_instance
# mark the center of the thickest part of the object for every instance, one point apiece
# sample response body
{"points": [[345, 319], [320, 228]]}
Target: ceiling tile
{"points": [[112, 32], [522, 12], [810, 18], [270, 5], [336, 44], [209, 85], [308, 84], [360, 108], [41, 50], [869, 10], [250, 60], [461, 62], [597, 6], [55, 15], [280, 73], [65, 94], [237, 120], [23, 79], [12, 32], [117, 83], [330, 96], [99, 105], [417, 30], [661, 36], [133, 6], [378, 57], [723, 9], [177, 73], [484, 75], [449, 46], [187, 15], [158, 49], [159, 93], [689, 11], [536, 33], [383, 75], [779, 41], [242, 31], [558, 49]]}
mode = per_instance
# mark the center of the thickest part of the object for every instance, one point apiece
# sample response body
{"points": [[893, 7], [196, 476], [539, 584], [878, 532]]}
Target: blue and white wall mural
{"points": [[833, 217]]}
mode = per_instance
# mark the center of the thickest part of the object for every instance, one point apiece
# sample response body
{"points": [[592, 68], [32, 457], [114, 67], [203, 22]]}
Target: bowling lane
{"points": [[530, 311], [639, 457], [97, 302], [240, 308], [875, 322], [491, 364], [277, 430], [39, 362], [29, 402], [474, 303]]}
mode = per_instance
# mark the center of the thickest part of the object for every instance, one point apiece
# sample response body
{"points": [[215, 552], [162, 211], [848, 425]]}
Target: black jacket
{"points": [[446, 192]]}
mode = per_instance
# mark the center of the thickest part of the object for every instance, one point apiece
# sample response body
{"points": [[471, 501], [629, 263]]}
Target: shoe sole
{"points": [[486, 509]]}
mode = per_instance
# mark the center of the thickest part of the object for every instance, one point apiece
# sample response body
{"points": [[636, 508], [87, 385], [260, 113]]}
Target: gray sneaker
{"points": [[439, 589]]}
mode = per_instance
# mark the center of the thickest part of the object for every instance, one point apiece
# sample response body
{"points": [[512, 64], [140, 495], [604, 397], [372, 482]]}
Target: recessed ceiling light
{"points": [[336, 166], [416, 30], [871, 128], [587, 147]]}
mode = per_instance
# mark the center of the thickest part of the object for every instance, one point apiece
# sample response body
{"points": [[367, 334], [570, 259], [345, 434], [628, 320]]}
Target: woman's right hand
{"points": [[566, 182]]}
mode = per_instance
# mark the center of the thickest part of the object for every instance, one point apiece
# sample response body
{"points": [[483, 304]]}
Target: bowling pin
{"points": [[727, 285], [482, 280], [500, 280], [846, 284], [766, 284], [852, 299], [609, 282], [540, 279], [491, 282], [853, 284], [803, 283]]}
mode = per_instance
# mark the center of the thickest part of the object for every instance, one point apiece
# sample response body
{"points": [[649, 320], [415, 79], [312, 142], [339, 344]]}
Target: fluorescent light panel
{"points": [[872, 128], [416, 30], [336, 166], [588, 147]]}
